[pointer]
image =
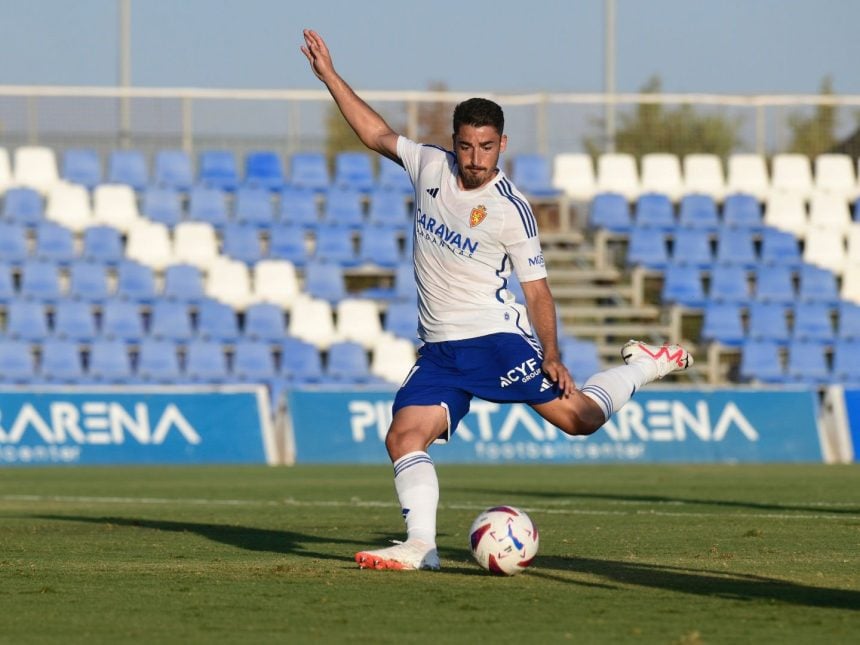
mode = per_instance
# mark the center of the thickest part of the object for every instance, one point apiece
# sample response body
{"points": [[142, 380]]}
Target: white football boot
{"points": [[409, 555], [665, 359]]}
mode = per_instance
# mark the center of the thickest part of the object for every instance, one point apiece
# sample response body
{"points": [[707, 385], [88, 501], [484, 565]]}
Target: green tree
{"points": [[653, 127], [434, 119], [340, 137], [815, 133]]}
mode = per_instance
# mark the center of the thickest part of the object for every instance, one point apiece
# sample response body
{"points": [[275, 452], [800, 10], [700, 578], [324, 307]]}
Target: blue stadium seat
{"points": [[7, 283], [817, 284], [170, 320], [128, 167], [218, 168], [380, 247], [253, 362], [654, 210], [682, 284], [55, 243], [216, 321], [109, 362], [17, 365], [135, 282], [848, 322], [325, 280], [299, 207], [742, 211], [183, 283], [82, 166], [392, 176], [807, 363], [265, 322], [242, 242], [287, 242], [162, 204], [698, 211], [729, 283], [205, 362], [692, 246], [61, 362], [647, 247], [301, 362], [88, 281], [310, 170], [353, 170], [13, 243], [335, 245], [24, 206], [103, 244], [532, 174], [581, 358], [401, 319], [40, 280], [761, 361], [157, 362], [767, 321], [264, 167], [722, 322], [343, 207], [74, 321], [173, 169], [813, 321], [846, 361], [122, 321], [774, 283], [347, 362], [208, 204], [735, 246], [779, 247], [405, 289], [26, 320], [610, 211], [254, 207], [388, 208]]}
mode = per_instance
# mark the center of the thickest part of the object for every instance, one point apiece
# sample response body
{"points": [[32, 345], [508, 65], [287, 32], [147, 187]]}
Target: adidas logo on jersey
{"points": [[545, 385], [433, 192]]}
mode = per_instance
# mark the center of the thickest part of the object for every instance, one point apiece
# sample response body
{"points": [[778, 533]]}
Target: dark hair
{"points": [[478, 113]]}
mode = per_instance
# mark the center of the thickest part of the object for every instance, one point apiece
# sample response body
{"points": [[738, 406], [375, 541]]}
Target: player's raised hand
{"points": [[317, 54]]}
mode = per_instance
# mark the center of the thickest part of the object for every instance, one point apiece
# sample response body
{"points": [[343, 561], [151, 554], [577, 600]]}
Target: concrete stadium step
{"points": [[613, 292], [618, 332], [606, 312]]}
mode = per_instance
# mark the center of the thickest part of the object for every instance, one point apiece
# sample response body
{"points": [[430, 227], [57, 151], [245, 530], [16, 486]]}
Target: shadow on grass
{"points": [[242, 537], [729, 586], [662, 499]]}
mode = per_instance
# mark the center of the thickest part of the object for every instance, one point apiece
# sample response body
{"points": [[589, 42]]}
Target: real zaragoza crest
{"points": [[477, 215]]}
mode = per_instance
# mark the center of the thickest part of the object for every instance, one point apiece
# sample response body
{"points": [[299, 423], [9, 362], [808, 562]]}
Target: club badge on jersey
{"points": [[478, 214]]}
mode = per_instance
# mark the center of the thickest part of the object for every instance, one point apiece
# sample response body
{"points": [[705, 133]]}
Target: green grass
{"points": [[642, 554]]}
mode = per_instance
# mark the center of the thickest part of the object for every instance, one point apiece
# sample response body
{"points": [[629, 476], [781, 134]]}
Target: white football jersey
{"points": [[466, 244]]}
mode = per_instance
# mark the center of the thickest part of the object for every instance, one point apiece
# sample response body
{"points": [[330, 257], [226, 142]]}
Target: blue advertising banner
{"points": [[144, 425], [683, 426], [852, 412]]}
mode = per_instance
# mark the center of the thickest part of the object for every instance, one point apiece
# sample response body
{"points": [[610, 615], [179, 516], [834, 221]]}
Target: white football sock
{"points": [[614, 387], [418, 491]]}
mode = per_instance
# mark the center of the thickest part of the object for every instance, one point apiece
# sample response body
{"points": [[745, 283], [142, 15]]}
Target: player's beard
{"points": [[472, 179]]}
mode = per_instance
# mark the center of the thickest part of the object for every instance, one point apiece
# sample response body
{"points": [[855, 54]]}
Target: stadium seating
{"points": [[216, 322], [661, 173], [82, 166], [162, 204], [128, 167], [348, 363], [647, 248], [183, 283], [825, 247], [325, 281], [230, 282], [354, 170], [60, 362], [205, 362], [208, 203], [703, 174], [692, 246], [109, 362], [682, 284], [149, 243], [122, 320], [807, 363], [654, 210], [779, 247], [334, 244], [747, 173], [834, 173], [310, 170], [5, 170], [816, 284], [135, 282], [312, 320], [115, 205], [767, 321], [829, 210], [848, 321], [401, 320], [301, 362], [392, 176], [729, 284], [36, 167], [846, 362], [74, 321], [264, 167], [7, 284], [532, 175], [241, 242], [722, 322], [574, 174], [287, 242], [698, 211], [387, 208], [264, 322], [254, 207], [195, 243], [40, 280], [276, 282], [173, 169], [358, 320], [787, 212], [69, 205], [792, 173], [102, 244], [379, 247], [170, 320], [392, 359], [23, 205], [217, 168], [253, 362], [13, 243], [735, 246], [742, 211], [812, 322], [26, 320], [158, 362], [774, 283], [17, 365], [299, 207], [617, 173], [580, 357], [761, 361], [88, 281], [610, 211], [343, 207]]}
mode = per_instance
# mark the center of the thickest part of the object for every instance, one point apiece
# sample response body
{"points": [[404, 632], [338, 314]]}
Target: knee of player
{"points": [[583, 422]]}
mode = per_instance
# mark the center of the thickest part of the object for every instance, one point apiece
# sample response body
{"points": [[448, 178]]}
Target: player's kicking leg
{"points": [[413, 554]]}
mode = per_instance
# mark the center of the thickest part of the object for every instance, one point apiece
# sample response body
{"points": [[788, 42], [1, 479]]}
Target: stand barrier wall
{"points": [[145, 425]]}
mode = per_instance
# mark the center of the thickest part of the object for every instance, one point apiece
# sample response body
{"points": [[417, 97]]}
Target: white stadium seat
{"points": [[5, 170], [748, 174], [826, 248], [149, 243], [791, 173], [312, 320], [276, 282], [829, 210], [36, 167], [787, 212], [573, 172], [195, 243], [703, 174], [392, 358], [358, 321], [69, 205], [834, 173], [616, 173], [230, 282], [115, 205], [661, 173]]}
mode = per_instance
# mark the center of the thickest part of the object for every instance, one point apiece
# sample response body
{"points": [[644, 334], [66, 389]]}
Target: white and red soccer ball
{"points": [[504, 540]]}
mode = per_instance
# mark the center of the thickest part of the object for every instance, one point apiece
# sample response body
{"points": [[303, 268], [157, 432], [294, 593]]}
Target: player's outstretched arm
{"points": [[371, 128], [541, 308]]}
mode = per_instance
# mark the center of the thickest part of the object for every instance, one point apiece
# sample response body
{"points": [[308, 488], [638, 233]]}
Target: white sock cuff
{"points": [[411, 459]]}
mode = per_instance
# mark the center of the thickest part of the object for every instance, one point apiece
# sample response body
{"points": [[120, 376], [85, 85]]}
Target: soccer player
{"points": [[472, 228]]}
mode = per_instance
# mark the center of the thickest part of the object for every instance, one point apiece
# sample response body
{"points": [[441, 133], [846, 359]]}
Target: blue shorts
{"points": [[502, 368]]}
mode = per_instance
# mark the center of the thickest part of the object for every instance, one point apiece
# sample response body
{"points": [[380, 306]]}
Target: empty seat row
{"points": [[800, 362], [38, 167], [732, 323], [576, 174], [825, 248], [202, 362]]}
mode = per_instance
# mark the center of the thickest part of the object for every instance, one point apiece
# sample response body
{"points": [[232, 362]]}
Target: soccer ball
{"points": [[504, 540]]}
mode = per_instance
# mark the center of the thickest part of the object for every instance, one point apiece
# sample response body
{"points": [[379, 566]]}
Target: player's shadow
{"points": [[661, 499], [242, 537], [730, 586]]}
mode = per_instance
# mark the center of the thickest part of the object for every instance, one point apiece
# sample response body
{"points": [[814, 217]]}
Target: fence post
{"points": [[187, 125]]}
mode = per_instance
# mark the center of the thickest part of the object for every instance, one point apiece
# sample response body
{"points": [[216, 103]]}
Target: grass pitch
{"points": [[640, 554]]}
